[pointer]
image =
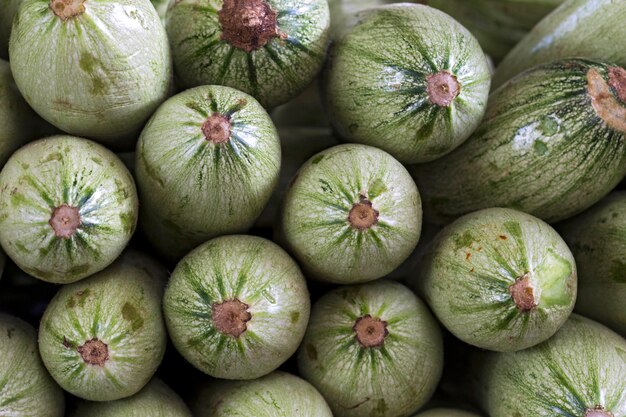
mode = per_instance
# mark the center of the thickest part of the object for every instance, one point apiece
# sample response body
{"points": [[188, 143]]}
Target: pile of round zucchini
{"points": [[312, 208]]}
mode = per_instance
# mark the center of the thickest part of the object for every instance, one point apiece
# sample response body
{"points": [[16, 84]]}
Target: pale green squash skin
{"points": [[376, 82], [598, 241], [274, 73], [344, 14], [391, 380], [18, 122], [467, 272], [537, 127], [446, 412], [155, 400], [98, 75], [121, 307], [578, 28], [254, 271], [9, 9], [193, 189], [278, 394], [26, 389], [581, 367], [48, 173], [315, 214]]}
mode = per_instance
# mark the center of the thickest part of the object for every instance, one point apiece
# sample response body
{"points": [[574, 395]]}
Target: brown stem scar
{"points": [[231, 317], [442, 88], [523, 293], [609, 98], [94, 352], [598, 411], [217, 128], [362, 215], [65, 220], [370, 332], [248, 24], [66, 9]]}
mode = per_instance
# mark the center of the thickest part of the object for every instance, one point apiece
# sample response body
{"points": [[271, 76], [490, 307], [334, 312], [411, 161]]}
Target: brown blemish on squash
{"points": [[370, 332], [609, 99], [94, 352], [66, 9], [67, 343], [442, 88], [231, 317], [248, 24], [65, 220], [523, 293], [130, 313], [217, 128], [362, 215], [468, 256], [311, 351], [502, 237]]}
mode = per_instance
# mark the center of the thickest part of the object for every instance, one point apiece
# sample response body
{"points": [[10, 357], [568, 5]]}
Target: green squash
{"points": [[372, 350], [92, 68], [446, 412], [103, 338], [237, 307], [598, 241], [580, 372], [499, 279], [351, 214], [9, 9], [345, 13], [206, 165], [26, 389], [553, 142], [591, 29], [68, 207], [408, 79], [270, 49]]}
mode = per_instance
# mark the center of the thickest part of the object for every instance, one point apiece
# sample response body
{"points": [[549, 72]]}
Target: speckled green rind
{"points": [[155, 400], [26, 389], [317, 205], [497, 24], [578, 28], [278, 394], [193, 189], [375, 83], [537, 128], [469, 268], [18, 122], [61, 170], [598, 241], [581, 367], [388, 381], [254, 271], [120, 306], [274, 73], [446, 412], [9, 9], [100, 74]]}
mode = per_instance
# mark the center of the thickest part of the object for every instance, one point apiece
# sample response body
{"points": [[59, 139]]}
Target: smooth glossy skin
{"points": [[255, 272], [391, 380], [598, 241], [278, 394], [581, 28], [317, 207], [120, 307], [193, 189], [467, 274], [100, 74], [274, 73], [582, 367], [376, 82], [65, 170], [26, 389]]}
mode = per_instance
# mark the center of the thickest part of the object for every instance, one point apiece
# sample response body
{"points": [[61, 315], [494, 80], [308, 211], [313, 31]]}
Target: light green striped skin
{"points": [[598, 241], [391, 380], [155, 400], [193, 189], [121, 307], [446, 412], [467, 273], [541, 149], [18, 122], [49, 173], [497, 24], [100, 74], [581, 367], [278, 394], [9, 9], [315, 214], [273, 73], [26, 389], [377, 76], [259, 274], [578, 28]]}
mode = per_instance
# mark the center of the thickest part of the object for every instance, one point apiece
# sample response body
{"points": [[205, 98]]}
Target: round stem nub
{"points": [[217, 128], [94, 352], [370, 332], [65, 220], [231, 317], [362, 215], [523, 293], [617, 80], [597, 411], [65, 9], [442, 88], [248, 24]]}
